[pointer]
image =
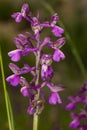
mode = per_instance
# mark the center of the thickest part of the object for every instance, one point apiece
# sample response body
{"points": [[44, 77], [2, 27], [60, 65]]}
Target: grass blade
{"points": [[7, 100]]}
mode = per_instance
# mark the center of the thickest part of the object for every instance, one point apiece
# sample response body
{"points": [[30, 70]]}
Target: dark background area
{"points": [[73, 14]]}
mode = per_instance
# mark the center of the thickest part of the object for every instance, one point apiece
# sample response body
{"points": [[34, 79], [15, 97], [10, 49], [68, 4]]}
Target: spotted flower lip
{"points": [[46, 72], [46, 59]]}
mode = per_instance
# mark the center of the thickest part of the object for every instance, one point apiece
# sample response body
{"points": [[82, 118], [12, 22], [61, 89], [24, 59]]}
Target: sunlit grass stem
{"points": [[7, 100]]}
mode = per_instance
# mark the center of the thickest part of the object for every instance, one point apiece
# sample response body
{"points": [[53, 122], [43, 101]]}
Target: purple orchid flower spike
{"points": [[43, 70], [79, 117]]}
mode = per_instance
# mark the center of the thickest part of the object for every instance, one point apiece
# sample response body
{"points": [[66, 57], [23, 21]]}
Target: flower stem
{"points": [[35, 122], [36, 116]]}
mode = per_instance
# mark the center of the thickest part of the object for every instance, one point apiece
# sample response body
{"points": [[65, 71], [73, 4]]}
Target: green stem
{"points": [[7, 100], [71, 44], [35, 122], [36, 116]]}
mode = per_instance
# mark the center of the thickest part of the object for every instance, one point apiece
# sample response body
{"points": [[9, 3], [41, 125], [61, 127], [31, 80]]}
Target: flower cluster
{"points": [[33, 44], [79, 117]]}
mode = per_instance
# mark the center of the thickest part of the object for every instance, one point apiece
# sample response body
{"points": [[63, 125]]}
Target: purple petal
{"points": [[18, 19], [55, 88], [74, 123], [17, 16], [46, 59], [18, 43], [23, 82], [36, 87], [58, 55], [45, 24], [46, 72], [84, 88], [70, 106], [25, 10], [25, 91], [15, 69], [14, 15], [31, 110], [59, 43], [26, 51], [54, 19], [13, 80], [15, 55], [22, 37], [54, 99], [26, 69], [57, 31]]}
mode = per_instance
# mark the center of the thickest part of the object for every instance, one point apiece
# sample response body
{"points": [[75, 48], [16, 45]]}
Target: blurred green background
{"points": [[73, 14]]}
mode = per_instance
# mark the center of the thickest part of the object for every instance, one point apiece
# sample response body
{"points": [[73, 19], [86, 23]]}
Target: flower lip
{"points": [[13, 80], [58, 55], [25, 91], [57, 31], [15, 55], [54, 99], [74, 123]]}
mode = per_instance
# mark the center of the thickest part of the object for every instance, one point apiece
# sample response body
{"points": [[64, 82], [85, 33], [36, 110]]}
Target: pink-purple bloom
{"points": [[33, 43], [15, 55], [57, 31], [58, 55], [13, 79], [79, 117], [54, 98]]}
